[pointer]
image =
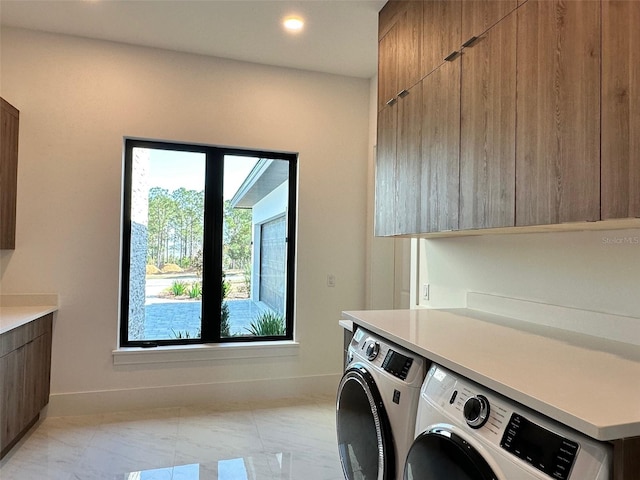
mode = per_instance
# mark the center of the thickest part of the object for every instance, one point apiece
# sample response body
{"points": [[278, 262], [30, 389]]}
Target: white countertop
{"points": [[588, 383], [16, 310]]}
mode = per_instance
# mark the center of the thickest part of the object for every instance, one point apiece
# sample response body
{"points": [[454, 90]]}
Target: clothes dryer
{"points": [[467, 432], [376, 407]]}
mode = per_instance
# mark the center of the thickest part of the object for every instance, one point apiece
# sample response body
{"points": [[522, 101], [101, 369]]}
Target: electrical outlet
{"points": [[331, 280], [425, 291]]}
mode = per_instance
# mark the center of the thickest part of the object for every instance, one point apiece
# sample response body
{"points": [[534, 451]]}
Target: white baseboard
{"points": [[598, 324], [250, 391]]}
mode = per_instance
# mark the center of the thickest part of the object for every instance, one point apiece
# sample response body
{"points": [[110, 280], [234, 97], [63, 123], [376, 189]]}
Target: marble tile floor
{"points": [[292, 440]]}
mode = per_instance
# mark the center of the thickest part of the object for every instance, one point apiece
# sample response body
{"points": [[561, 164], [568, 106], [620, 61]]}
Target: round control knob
{"points": [[372, 350], [476, 411]]}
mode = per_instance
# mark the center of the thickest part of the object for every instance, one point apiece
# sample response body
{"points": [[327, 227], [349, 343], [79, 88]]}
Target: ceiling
{"points": [[340, 36]]}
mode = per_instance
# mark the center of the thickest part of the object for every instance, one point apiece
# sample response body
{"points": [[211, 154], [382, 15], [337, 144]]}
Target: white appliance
{"points": [[467, 432], [376, 407]]}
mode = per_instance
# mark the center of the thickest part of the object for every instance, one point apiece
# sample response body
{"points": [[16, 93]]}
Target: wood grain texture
{"points": [[410, 46], [487, 145], [620, 148], [25, 375], [558, 114], [385, 177], [389, 14], [11, 397], [399, 52], [441, 148], [626, 459], [441, 32], [9, 126], [387, 68], [409, 162], [480, 15]]}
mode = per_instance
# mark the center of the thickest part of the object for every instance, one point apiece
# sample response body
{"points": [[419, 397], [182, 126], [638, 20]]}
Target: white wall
{"points": [[589, 270], [77, 99]]}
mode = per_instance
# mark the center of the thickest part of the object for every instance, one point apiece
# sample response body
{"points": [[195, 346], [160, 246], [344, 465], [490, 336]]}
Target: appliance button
{"points": [[476, 411], [373, 348]]}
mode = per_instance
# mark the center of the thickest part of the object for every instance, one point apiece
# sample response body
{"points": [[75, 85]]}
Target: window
{"points": [[208, 244]]}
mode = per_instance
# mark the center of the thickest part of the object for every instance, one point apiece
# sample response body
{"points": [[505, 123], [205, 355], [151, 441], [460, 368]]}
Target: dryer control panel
{"points": [[523, 441], [547, 451]]}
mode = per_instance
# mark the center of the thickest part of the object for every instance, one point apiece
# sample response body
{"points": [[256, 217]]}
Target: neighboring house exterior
{"points": [[265, 191]]}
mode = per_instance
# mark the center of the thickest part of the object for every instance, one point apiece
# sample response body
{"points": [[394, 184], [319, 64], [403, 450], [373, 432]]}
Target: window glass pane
{"points": [[167, 220], [256, 197]]}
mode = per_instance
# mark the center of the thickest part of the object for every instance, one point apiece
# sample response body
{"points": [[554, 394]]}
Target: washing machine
{"points": [[467, 432], [376, 407]]}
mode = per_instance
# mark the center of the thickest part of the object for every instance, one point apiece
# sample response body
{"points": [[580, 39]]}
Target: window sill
{"points": [[194, 353]]}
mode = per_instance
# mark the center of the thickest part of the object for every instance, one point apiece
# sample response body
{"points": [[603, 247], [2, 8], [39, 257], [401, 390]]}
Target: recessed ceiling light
{"points": [[293, 24]]}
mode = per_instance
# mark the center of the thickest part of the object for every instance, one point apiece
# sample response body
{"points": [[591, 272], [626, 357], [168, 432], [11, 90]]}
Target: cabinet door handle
{"points": [[470, 42], [391, 101], [451, 56], [403, 93]]}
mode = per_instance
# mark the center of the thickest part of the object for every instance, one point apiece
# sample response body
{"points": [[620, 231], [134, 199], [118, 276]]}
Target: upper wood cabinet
{"points": [[399, 107], [558, 112], [399, 49], [409, 162], [487, 136], [441, 148], [398, 166], [530, 113], [480, 15], [385, 181], [441, 35], [9, 122], [620, 129]]}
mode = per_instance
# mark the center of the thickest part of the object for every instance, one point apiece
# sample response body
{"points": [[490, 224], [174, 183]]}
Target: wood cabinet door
{"points": [[620, 148], [9, 126], [441, 148], [387, 68], [558, 112], [409, 162], [441, 36], [385, 176], [399, 52], [11, 396], [480, 15], [410, 46], [37, 376], [487, 136]]}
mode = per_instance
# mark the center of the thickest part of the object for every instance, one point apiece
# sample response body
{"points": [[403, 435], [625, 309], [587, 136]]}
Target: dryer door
{"points": [[365, 442], [439, 453]]}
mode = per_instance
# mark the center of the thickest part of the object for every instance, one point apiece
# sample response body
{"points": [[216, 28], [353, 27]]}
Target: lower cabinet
{"points": [[25, 372]]}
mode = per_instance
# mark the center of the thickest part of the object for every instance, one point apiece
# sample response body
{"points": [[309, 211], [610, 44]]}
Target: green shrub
{"points": [[195, 290], [184, 334], [225, 326], [178, 288], [267, 324]]}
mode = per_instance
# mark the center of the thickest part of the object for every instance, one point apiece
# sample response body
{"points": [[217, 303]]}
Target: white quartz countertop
{"points": [[588, 383], [16, 310]]}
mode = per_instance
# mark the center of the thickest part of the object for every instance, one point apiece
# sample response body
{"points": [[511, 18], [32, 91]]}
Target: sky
{"points": [[173, 169]]}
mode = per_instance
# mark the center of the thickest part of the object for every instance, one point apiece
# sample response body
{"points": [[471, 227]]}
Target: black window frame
{"points": [[212, 241]]}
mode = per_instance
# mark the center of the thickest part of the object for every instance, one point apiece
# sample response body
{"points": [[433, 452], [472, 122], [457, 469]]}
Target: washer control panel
{"points": [[391, 358]]}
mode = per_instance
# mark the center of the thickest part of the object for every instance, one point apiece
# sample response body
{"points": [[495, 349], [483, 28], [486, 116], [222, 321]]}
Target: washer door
{"points": [[441, 454], [365, 442]]}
